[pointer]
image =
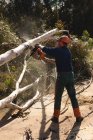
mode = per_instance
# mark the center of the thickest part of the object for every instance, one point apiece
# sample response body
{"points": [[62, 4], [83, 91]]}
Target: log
{"points": [[25, 106], [13, 53], [13, 95], [30, 102]]}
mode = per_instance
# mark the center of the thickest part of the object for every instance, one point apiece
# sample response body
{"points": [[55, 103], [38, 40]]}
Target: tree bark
{"points": [[13, 53]]}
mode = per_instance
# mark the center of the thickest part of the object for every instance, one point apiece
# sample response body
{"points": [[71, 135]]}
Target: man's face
{"points": [[59, 43]]}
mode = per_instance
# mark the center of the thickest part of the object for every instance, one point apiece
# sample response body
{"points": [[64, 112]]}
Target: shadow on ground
{"points": [[6, 118], [9, 116], [74, 131]]}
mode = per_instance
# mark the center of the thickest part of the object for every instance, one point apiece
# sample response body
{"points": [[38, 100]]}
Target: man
{"points": [[65, 75]]}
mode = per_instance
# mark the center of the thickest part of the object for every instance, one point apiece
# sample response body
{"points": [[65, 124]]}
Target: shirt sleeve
{"points": [[49, 51]]}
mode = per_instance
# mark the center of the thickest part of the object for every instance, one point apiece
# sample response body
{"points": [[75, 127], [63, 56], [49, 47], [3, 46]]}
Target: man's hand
{"points": [[37, 51], [41, 53]]}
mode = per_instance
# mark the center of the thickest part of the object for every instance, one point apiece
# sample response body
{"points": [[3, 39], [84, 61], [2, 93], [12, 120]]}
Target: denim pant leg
{"points": [[59, 88], [72, 94], [71, 89]]}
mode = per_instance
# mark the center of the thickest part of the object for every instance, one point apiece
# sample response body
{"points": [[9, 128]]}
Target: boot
{"points": [[55, 117], [77, 114]]}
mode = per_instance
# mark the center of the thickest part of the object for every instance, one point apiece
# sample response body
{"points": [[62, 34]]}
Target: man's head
{"points": [[64, 40], [66, 32]]}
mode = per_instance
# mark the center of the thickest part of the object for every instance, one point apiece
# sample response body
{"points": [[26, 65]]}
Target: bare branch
{"points": [[13, 53], [14, 106], [8, 68], [30, 102], [14, 94], [21, 75]]}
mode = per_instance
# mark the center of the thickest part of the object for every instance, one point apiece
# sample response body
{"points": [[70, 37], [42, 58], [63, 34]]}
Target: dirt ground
{"points": [[37, 119]]}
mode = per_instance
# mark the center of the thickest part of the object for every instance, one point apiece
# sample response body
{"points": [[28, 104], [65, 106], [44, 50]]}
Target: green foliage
{"points": [[9, 82], [90, 43], [90, 58], [2, 7], [85, 35], [19, 8], [77, 15], [59, 24], [87, 40], [13, 68], [78, 50], [6, 81], [8, 40], [79, 56], [6, 34]]}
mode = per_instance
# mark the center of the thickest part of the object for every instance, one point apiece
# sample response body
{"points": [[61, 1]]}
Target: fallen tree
{"points": [[13, 53], [7, 102]]}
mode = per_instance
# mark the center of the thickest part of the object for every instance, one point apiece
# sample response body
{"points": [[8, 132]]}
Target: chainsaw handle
{"points": [[34, 49]]}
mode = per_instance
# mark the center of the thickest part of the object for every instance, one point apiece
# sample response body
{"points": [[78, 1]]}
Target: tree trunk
{"points": [[13, 53]]}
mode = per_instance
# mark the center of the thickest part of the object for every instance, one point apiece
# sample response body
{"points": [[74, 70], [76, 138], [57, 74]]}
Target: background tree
{"points": [[77, 15], [2, 7]]}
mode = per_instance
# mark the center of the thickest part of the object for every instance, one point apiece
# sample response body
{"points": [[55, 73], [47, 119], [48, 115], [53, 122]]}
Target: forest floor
{"points": [[38, 120]]}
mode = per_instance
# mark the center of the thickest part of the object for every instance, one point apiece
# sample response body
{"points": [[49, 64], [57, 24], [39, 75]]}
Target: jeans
{"points": [[65, 80]]}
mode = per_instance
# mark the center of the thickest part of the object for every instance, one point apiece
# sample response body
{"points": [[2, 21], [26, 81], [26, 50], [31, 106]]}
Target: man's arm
{"points": [[48, 60], [42, 51]]}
